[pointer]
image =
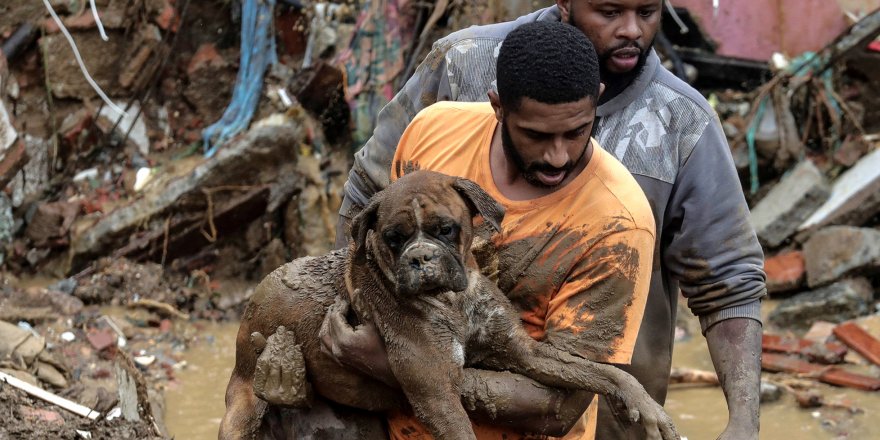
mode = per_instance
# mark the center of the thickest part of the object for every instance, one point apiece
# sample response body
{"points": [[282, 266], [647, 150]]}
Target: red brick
{"points": [[206, 55], [36, 414], [785, 271], [101, 339]]}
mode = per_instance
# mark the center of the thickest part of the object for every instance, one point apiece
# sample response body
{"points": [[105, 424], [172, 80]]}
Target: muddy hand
{"points": [[358, 347], [280, 376]]}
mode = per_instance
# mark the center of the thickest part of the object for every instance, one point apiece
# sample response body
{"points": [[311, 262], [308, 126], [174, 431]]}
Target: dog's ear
{"points": [[361, 225], [480, 202]]}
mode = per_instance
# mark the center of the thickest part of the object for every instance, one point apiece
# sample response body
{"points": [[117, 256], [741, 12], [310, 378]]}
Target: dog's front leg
{"points": [[431, 380], [557, 368]]}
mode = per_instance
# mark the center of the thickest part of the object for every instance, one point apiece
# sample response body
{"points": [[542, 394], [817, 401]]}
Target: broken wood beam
{"points": [[859, 340], [827, 353], [692, 376], [830, 375]]}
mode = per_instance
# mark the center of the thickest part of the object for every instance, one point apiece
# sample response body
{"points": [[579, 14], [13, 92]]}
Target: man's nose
{"points": [[629, 27], [557, 155]]}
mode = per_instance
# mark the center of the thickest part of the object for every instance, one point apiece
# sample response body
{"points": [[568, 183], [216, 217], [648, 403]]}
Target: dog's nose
{"points": [[420, 257]]}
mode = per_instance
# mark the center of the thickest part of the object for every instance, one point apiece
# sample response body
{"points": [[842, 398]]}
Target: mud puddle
{"points": [[195, 400], [700, 412]]}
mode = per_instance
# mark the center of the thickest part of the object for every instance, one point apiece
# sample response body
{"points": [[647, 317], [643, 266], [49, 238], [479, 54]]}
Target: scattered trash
{"points": [[68, 337]]}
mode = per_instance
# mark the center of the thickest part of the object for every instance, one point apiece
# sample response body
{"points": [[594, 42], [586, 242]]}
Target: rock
{"points": [[785, 271], [820, 331], [838, 302], [63, 73], [789, 203], [770, 392], [47, 373], [255, 162], [34, 177], [855, 196], [16, 342], [838, 251], [21, 375]]}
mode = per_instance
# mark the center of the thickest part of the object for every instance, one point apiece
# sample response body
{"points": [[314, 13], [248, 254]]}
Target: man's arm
{"points": [[714, 253], [372, 163]]}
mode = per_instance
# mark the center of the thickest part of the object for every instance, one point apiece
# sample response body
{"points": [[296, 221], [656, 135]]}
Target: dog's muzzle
{"points": [[426, 267]]}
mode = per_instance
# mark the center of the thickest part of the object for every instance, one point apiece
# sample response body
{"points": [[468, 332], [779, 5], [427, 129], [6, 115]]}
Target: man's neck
{"points": [[510, 181]]}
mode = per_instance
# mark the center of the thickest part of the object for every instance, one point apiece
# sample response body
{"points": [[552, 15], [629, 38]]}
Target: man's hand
{"points": [[358, 347], [280, 375], [735, 346]]}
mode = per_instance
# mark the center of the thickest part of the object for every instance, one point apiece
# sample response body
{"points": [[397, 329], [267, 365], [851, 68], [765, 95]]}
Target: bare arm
{"points": [[735, 346]]}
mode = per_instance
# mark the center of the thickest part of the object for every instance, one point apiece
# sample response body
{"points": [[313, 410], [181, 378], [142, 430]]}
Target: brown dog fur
{"points": [[412, 273]]}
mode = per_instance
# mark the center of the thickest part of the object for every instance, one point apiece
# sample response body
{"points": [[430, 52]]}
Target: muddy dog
{"points": [[409, 269]]}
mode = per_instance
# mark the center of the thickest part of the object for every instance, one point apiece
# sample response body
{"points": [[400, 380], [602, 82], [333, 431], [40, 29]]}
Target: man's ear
{"points": [[601, 91], [480, 202], [564, 10], [496, 105], [362, 224]]}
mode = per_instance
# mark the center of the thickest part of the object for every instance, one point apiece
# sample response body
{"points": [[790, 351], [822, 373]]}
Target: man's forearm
{"points": [[520, 403], [735, 346]]}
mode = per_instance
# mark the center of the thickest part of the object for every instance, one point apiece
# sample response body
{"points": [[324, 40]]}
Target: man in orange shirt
{"points": [[576, 247], [577, 242]]}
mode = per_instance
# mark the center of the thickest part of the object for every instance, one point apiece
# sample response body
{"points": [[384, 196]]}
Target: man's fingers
{"points": [[273, 381], [258, 342], [651, 428]]}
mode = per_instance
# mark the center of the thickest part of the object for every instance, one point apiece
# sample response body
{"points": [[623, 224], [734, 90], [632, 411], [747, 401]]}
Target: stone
{"points": [[16, 342], [838, 302], [799, 193], [64, 76], [838, 251], [785, 271], [101, 339], [51, 220], [854, 199], [770, 392]]}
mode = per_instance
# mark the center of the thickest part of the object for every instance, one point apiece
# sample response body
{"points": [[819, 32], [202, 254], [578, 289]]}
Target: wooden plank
{"points": [[828, 353], [859, 340], [831, 375]]}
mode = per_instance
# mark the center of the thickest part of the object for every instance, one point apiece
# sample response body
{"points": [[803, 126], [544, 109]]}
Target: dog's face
{"points": [[419, 231]]}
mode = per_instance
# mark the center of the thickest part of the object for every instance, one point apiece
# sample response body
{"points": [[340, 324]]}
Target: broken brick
{"points": [[832, 375], [784, 271], [101, 339], [44, 415], [205, 56], [859, 340], [827, 353]]}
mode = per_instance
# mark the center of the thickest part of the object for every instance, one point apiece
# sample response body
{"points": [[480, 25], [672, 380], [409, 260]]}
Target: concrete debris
{"points": [[838, 251], [838, 302], [778, 215], [855, 196], [254, 162]]}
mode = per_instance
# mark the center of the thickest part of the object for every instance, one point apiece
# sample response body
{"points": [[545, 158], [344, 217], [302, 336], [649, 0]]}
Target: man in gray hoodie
{"points": [[669, 138]]}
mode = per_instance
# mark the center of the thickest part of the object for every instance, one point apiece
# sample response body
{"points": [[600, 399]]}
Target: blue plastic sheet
{"points": [[257, 54]]}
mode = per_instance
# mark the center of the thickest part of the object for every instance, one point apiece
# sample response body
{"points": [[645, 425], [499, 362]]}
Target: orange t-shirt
{"points": [[578, 256]]}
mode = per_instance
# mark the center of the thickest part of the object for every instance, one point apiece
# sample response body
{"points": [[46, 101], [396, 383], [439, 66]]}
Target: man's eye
{"points": [[646, 13], [611, 13]]}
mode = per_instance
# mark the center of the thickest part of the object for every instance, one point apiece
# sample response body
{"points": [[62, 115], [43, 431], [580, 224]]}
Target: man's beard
{"points": [[529, 171], [615, 82]]}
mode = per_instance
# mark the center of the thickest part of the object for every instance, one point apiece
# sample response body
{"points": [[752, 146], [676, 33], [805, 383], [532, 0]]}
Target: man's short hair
{"points": [[548, 61]]}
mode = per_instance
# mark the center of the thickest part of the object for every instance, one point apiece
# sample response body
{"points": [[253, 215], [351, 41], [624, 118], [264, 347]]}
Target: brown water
{"points": [[195, 404]]}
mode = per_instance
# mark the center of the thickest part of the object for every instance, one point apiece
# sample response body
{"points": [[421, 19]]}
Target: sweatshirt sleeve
{"points": [[711, 246], [372, 164]]}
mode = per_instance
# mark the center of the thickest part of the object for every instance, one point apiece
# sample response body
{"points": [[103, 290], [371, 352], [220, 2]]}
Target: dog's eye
{"points": [[445, 230], [393, 239]]}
